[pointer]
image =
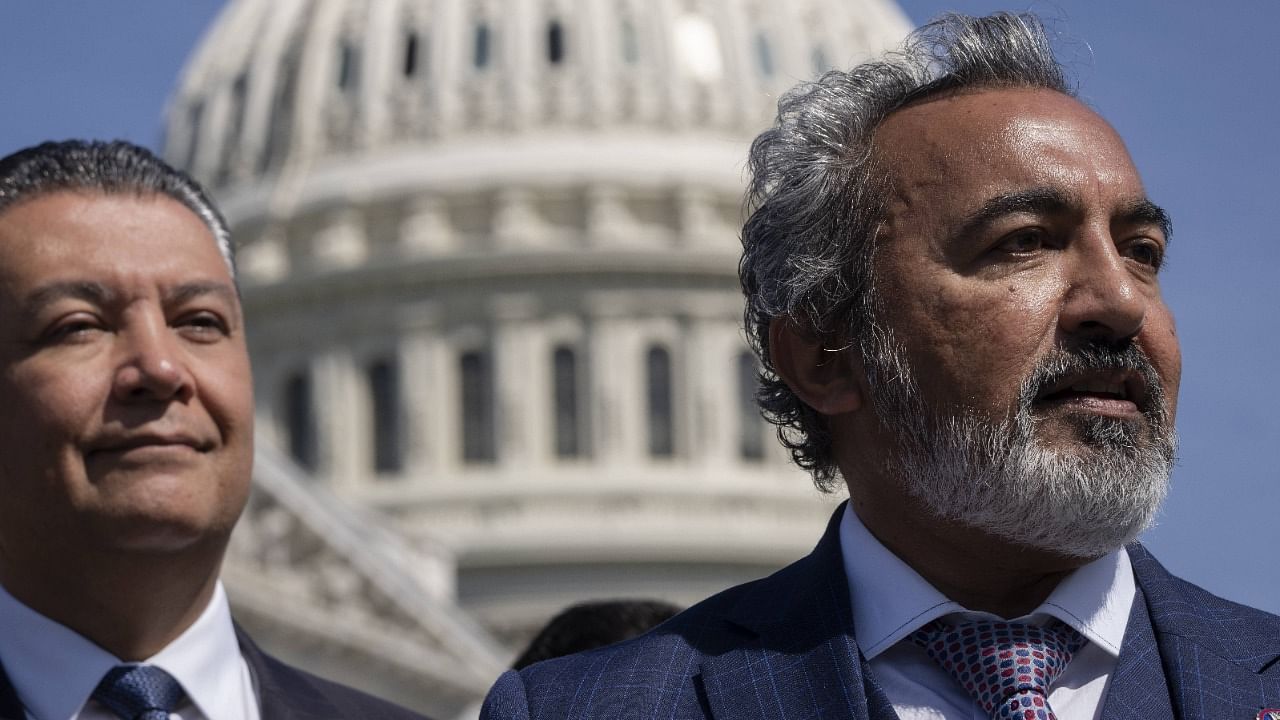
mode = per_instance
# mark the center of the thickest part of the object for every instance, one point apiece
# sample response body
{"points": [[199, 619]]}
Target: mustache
{"points": [[1093, 357]]}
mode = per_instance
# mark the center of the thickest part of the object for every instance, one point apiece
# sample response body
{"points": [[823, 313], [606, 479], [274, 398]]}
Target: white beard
{"points": [[1002, 478]]}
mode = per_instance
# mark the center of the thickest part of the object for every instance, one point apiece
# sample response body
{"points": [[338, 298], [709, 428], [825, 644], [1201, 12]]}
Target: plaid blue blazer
{"points": [[783, 648]]}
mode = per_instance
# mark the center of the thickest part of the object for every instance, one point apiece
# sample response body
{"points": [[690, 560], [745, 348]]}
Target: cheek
{"points": [[978, 344], [1159, 339]]}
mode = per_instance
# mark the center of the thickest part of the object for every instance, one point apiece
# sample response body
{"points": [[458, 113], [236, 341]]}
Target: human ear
{"points": [[824, 378]]}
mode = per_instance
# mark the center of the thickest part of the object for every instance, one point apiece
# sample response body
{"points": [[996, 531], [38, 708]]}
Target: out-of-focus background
{"points": [[488, 257]]}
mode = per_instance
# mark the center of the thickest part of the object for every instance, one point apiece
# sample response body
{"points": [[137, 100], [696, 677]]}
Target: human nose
{"points": [[152, 366], [1104, 299]]}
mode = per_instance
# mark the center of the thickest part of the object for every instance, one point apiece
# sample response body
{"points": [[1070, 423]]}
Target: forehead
{"points": [[105, 237], [986, 142]]}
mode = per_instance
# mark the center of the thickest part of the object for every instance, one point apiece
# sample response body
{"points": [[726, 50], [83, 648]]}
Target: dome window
{"points": [[479, 439], [555, 42], [411, 51], [387, 428], [662, 437], [300, 421], [568, 421], [481, 55], [698, 48], [764, 55], [820, 62], [195, 119], [348, 62], [630, 43], [750, 424]]}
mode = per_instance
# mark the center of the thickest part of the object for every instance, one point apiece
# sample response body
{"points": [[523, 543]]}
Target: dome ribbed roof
{"points": [[279, 85]]}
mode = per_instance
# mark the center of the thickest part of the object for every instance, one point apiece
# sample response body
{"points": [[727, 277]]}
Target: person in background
{"points": [[126, 450], [591, 625], [952, 275]]}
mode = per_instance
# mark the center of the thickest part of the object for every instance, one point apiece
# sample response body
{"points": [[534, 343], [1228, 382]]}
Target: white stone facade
{"points": [[488, 252]]}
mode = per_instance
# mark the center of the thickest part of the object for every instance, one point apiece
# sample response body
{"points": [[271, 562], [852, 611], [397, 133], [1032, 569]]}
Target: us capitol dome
{"points": [[488, 255]]}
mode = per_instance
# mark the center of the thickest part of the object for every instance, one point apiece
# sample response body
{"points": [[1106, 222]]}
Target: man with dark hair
{"points": [[590, 625], [126, 447], [952, 279]]}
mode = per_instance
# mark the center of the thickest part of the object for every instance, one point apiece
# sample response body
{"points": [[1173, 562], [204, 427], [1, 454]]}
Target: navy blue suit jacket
{"points": [[284, 693], [783, 647]]}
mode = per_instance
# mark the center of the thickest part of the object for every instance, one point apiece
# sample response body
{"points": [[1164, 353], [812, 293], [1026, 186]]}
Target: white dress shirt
{"points": [[891, 601], [54, 670]]}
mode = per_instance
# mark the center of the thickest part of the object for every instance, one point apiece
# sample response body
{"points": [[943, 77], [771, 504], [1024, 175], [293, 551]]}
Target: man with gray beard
{"points": [[952, 279]]}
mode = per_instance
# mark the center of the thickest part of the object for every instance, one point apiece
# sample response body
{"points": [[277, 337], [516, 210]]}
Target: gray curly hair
{"points": [[817, 196]]}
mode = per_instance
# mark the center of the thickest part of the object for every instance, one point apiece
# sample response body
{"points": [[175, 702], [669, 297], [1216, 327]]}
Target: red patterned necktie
{"points": [[1006, 667]]}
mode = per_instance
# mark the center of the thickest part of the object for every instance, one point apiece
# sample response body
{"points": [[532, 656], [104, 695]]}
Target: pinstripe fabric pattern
{"points": [[783, 648]]}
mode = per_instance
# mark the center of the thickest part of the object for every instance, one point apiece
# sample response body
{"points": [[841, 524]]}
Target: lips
{"points": [[142, 441], [1102, 391]]}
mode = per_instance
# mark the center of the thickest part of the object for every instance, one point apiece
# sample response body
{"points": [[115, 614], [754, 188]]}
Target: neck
{"points": [[970, 567], [130, 606]]}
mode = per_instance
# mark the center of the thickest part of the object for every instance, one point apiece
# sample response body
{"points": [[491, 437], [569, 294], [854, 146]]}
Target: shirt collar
{"points": [[891, 600], [54, 670], [206, 659]]}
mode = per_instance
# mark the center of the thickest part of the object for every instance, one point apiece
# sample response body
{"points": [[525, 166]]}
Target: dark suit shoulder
{"points": [[647, 676], [1236, 632], [287, 691]]}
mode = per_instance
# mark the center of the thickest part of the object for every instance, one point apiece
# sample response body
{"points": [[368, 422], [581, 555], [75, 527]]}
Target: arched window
{"points": [[764, 55], [479, 439], [564, 379], [280, 124], [388, 417], [750, 424], [481, 51], [235, 118], [239, 98], [348, 66], [555, 42], [630, 42], [195, 119], [662, 438], [820, 62], [300, 423], [411, 52]]}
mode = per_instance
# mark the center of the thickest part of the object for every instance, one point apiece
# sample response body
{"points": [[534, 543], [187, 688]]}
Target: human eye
{"points": [[1146, 252], [75, 328], [203, 325], [1024, 241]]}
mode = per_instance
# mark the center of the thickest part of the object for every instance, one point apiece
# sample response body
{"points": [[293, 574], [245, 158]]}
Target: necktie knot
{"points": [[1006, 667], [139, 692]]}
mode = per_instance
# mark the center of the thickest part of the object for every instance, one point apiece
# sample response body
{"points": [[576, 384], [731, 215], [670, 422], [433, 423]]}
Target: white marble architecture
{"points": [[488, 253]]}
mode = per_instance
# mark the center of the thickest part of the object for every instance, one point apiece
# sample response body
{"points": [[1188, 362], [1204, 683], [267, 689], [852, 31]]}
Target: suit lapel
{"points": [[1219, 658], [798, 658], [282, 695], [1138, 689]]}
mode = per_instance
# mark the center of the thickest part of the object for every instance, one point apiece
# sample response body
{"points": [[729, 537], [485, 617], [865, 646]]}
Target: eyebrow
{"points": [[1047, 200], [189, 291], [1145, 212], [1043, 200], [99, 294], [87, 290]]}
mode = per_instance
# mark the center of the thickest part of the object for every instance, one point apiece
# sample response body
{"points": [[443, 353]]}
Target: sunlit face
{"points": [[1018, 227], [1026, 366], [127, 420]]}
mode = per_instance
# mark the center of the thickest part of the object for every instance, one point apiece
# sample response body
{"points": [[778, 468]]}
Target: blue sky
{"points": [[1191, 86]]}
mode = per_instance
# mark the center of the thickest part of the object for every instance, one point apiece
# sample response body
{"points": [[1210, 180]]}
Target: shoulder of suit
{"points": [[352, 704], [1234, 631]]}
